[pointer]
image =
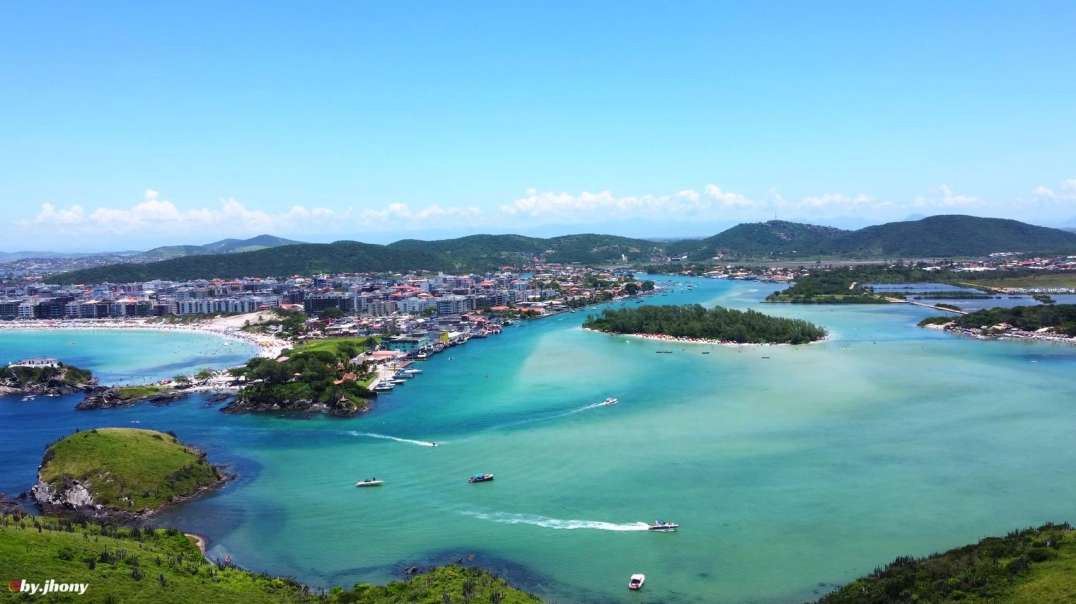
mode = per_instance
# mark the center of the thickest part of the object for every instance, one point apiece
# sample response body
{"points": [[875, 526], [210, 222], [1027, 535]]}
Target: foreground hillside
{"points": [[1032, 566], [124, 565]]}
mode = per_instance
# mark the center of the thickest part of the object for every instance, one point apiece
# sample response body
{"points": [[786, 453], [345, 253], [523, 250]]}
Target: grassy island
{"points": [[1024, 567], [1058, 318], [164, 566], [122, 469], [692, 321], [316, 376]]}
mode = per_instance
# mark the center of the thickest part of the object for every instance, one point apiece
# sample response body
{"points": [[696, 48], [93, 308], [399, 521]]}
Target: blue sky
{"points": [[127, 125]]}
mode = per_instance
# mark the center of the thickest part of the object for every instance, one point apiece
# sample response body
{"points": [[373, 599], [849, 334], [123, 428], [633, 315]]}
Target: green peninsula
{"points": [[1024, 567], [151, 566], [694, 322]]}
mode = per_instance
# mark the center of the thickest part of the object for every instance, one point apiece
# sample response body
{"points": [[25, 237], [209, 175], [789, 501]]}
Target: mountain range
{"points": [[224, 246], [934, 236]]}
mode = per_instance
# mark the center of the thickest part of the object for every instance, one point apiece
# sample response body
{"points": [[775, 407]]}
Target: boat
{"points": [[480, 478], [636, 581], [370, 482], [661, 525], [399, 381], [609, 402], [384, 387]]}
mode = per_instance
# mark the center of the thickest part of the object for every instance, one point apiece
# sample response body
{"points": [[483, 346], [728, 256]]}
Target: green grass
{"points": [[128, 469], [1040, 280], [122, 565], [1030, 566], [336, 346], [128, 393]]}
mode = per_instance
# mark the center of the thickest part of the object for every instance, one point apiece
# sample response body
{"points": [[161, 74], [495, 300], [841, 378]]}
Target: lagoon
{"points": [[788, 474]]}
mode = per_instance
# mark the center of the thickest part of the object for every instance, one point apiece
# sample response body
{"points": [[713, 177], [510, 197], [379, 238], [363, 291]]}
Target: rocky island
{"points": [[1050, 322], [122, 473], [694, 323], [125, 396], [44, 377]]}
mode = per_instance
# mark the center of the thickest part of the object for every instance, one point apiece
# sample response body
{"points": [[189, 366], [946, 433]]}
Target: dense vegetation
{"points": [[1061, 317], [694, 321], [314, 375], [128, 469], [936, 236], [144, 566], [848, 285], [224, 246], [474, 253], [773, 239], [1032, 566], [62, 376]]}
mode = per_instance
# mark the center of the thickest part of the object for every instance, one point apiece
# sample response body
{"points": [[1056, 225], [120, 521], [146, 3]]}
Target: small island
{"points": [[125, 396], [120, 473], [1051, 322], [320, 376], [695, 323], [44, 377]]}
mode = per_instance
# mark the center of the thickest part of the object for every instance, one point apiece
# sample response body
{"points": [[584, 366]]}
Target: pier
{"points": [[924, 304]]}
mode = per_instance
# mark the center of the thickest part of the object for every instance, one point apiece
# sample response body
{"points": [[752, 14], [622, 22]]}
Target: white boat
{"points": [[609, 402], [636, 581], [661, 525], [384, 387], [370, 482]]}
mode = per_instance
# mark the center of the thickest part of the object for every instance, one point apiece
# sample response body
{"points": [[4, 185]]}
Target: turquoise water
{"points": [[788, 473], [126, 356]]}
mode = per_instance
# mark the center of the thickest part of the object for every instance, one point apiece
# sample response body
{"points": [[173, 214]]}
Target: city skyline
{"points": [[135, 126]]}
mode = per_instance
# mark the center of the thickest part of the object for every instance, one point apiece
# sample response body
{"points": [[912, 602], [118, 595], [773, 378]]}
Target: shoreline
{"points": [[657, 337], [264, 346]]}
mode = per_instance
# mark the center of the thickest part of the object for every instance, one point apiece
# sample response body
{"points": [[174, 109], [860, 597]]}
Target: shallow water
{"points": [[787, 473]]}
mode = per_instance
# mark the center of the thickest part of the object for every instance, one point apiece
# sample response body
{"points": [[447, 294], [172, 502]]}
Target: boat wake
{"points": [[421, 443], [546, 418], [555, 523]]}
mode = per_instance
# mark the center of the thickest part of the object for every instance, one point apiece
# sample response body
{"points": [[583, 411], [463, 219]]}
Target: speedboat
{"points": [[636, 581], [384, 387], [480, 478], [610, 401], [370, 482], [661, 525]]}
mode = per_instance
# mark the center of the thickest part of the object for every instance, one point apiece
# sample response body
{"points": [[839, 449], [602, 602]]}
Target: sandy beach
{"points": [[224, 327], [675, 340]]}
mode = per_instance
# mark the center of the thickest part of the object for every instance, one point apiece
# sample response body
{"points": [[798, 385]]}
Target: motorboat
{"points": [[636, 581], [384, 387], [370, 482], [661, 525], [480, 478], [609, 402]]}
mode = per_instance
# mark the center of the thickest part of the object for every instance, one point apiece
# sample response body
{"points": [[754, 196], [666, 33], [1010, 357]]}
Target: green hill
{"points": [[953, 235], [477, 252], [124, 469], [163, 566], [935, 236], [224, 246], [1031, 566], [775, 238], [930, 237]]}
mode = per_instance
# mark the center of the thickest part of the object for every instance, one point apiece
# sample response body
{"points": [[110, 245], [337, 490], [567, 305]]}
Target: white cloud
{"points": [[154, 216], [1065, 192], [712, 202]]}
